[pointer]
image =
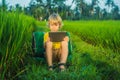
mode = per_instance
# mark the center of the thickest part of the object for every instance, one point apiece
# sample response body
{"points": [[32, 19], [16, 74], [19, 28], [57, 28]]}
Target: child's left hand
{"points": [[66, 38]]}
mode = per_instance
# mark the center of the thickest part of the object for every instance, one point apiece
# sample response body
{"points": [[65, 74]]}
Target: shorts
{"points": [[56, 55]]}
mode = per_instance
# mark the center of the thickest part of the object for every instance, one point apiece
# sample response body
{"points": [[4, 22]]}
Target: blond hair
{"points": [[55, 19]]}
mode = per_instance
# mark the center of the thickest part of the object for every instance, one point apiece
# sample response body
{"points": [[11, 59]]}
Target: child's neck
{"points": [[54, 31]]}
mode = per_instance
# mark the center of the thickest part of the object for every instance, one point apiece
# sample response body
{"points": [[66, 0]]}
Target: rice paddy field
{"points": [[95, 54]]}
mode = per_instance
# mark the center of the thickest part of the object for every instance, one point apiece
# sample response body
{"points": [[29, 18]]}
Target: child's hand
{"points": [[66, 38], [48, 39]]}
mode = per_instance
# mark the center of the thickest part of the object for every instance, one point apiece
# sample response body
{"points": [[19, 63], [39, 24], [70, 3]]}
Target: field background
{"points": [[95, 55]]}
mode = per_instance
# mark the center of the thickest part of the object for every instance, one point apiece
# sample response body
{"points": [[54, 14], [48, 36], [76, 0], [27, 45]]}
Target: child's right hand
{"points": [[48, 39]]}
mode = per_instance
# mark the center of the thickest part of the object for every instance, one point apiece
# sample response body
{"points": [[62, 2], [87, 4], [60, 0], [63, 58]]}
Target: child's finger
{"points": [[66, 38], [48, 39]]}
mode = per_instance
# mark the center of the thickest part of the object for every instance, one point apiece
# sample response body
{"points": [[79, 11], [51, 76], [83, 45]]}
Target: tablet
{"points": [[57, 36]]}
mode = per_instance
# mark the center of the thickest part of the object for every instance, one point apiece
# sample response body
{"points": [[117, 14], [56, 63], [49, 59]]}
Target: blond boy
{"points": [[55, 51]]}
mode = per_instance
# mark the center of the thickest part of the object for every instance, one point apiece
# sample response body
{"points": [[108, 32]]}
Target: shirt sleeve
{"points": [[45, 37]]}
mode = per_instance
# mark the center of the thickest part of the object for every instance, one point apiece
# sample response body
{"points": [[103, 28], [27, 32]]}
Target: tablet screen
{"points": [[57, 36]]}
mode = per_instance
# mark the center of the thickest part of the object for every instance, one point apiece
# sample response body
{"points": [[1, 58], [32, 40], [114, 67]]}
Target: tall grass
{"points": [[102, 33], [15, 35]]}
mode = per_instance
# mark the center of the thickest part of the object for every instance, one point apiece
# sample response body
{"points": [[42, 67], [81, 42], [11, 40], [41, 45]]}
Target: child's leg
{"points": [[49, 53], [64, 53]]}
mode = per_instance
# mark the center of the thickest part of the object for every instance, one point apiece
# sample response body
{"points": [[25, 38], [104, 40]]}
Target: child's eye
{"points": [[55, 24]]}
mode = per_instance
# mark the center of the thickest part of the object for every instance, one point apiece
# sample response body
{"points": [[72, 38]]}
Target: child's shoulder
{"points": [[46, 33]]}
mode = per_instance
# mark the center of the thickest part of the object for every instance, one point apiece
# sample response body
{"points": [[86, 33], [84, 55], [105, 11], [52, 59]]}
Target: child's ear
{"points": [[59, 27]]}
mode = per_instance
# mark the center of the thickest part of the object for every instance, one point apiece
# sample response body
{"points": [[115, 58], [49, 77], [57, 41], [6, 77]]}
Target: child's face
{"points": [[54, 27]]}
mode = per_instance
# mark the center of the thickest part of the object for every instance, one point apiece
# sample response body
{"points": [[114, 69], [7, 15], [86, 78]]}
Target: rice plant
{"points": [[102, 33], [15, 35]]}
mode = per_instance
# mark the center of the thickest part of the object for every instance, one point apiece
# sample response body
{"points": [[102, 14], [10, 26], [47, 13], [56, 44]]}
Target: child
{"points": [[55, 51]]}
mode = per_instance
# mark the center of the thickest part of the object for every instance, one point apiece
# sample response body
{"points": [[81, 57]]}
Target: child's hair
{"points": [[54, 19]]}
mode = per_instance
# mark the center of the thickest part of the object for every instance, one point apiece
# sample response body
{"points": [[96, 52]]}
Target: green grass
{"points": [[101, 33], [95, 53], [88, 62], [15, 37]]}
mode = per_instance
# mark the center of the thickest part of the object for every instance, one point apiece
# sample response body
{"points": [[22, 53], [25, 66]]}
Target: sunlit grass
{"points": [[102, 33]]}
